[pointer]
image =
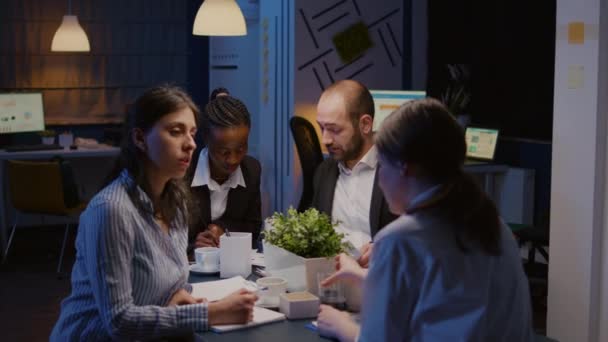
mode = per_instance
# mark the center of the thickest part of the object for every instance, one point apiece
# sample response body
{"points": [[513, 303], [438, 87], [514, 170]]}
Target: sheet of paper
{"points": [[260, 316], [216, 290]]}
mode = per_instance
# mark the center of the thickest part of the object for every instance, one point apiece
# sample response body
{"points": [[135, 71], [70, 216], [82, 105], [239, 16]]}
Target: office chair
{"points": [[43, 187], [536, 237], [309, 150]]}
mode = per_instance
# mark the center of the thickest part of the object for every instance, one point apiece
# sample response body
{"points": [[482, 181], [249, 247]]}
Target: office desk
{"points": [[288, 330], [488, 173], [90, 168]]}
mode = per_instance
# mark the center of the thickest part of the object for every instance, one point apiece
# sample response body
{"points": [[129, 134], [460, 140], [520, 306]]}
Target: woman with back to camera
{"points": [[448, 269], [226, 183], [129, 280]]}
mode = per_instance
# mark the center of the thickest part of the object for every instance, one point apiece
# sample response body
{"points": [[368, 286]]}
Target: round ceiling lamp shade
{"points": [[219, 18], [70, 36]]}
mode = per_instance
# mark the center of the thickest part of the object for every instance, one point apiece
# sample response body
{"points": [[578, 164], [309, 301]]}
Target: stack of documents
{"points": [[216, 290]]}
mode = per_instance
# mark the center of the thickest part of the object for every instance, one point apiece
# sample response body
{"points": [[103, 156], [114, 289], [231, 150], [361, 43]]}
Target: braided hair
{"points": [[224, 111], [218, 92]]}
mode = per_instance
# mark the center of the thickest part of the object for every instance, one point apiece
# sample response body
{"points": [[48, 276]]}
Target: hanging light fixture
{"points": [[70, 36], [219, 18]]}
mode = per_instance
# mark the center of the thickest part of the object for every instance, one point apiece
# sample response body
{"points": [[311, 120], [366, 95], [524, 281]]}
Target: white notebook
{"points": [[260, 316], [216, 290]]}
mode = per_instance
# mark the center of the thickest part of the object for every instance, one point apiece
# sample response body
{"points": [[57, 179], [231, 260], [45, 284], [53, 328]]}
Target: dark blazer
{"points": [[243, 208], [326, 177]]}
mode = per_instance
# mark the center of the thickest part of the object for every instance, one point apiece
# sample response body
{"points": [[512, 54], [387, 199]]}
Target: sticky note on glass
{"points": [[576, 32], [576, 76]]}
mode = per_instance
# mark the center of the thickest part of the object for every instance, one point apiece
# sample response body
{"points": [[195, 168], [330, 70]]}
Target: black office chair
{"points": [[43, 187], [536, 237], [309, 151]]}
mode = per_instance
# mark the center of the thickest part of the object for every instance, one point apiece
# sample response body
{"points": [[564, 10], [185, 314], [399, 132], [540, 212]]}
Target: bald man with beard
{"points": [[346, 185]]}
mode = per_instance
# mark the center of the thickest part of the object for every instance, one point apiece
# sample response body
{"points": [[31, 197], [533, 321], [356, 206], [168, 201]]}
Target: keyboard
{"points": [[36, 147]]}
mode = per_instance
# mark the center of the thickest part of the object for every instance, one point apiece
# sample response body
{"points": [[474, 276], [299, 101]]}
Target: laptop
{"points": [[481, 145]]}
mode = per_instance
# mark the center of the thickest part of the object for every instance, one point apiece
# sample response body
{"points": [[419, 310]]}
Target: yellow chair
{"points": [[43, 187]]}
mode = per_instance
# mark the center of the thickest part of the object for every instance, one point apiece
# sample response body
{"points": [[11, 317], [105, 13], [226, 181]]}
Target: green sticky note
{"points": [[352, 42]]}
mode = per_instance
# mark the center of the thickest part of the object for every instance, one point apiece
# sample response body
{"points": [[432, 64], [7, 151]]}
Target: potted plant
{"points": [[457, 95], [48, 136], [298, 246]]}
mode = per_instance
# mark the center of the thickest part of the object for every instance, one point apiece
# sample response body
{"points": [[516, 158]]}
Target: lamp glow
{"points": [[70, 36], [219, 18]]}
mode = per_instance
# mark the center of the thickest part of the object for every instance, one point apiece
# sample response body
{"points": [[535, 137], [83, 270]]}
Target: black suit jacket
{"points": [[243, 208], [326, 177]]}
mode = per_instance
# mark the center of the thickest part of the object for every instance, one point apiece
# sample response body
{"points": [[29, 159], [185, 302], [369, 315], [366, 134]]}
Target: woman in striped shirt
{"points": [[129, 280]]}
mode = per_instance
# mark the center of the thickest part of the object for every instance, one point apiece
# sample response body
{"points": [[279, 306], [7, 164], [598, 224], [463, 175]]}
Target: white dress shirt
{"points": [[352, 199], [218, 193]]}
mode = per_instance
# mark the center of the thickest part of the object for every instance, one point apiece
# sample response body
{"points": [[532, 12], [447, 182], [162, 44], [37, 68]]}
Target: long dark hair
{"points": [[424, 133], [150, 107]]}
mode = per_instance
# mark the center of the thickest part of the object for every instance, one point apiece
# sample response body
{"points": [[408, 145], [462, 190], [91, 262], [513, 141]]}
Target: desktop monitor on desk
{"points": [[21, 112], [386, 101]]}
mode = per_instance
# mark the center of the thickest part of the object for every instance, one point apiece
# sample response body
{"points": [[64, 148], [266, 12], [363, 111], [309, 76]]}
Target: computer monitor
{"points": [[386, 101], [21, 112], [481, 143]]}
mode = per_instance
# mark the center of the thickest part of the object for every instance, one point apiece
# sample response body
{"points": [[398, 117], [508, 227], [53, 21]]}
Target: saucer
{"points": [[195, 268], [265, 305]]}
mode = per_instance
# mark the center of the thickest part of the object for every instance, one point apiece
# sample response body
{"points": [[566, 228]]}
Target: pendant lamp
{"points": [[219, 18], [70, 36]]}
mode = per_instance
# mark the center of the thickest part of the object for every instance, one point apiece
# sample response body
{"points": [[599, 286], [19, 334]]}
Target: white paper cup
{"points": [[235, 255]]}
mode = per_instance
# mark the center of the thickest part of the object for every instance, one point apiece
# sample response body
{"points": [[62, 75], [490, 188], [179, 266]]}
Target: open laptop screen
{"points": [[481, 142]]}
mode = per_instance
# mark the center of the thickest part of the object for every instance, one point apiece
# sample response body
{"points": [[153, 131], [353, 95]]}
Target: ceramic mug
{"points": [[269, 290], [207, 259]]}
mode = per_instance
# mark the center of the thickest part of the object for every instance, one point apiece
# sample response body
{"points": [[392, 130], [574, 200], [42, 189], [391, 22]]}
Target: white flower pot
{"points": [[300, 273]]}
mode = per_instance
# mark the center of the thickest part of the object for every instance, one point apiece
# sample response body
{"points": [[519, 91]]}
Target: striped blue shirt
{"points": [[126, 271]]}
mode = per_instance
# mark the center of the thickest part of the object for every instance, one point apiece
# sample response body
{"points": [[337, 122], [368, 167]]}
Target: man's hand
{"points": [[366, 253]]}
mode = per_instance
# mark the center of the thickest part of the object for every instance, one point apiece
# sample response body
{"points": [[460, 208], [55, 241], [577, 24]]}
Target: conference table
{"points": [[287, 330]]}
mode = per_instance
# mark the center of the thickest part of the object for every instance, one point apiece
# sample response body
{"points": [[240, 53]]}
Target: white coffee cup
{"points": [[207, 259], [269, 290]]}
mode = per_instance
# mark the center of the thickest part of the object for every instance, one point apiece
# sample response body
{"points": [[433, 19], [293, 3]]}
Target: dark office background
{"points": [[510, 47]]}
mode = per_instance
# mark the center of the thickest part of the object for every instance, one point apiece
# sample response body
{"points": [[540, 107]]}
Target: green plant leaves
{"points": [[310, 234]]}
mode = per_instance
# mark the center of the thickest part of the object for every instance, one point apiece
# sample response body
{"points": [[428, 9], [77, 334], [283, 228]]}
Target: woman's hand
{"points": [[348, 269], [210, 237], [338, 324], [237, 308], [366, 253], [182, 297]]}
